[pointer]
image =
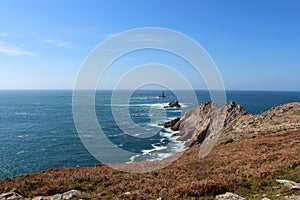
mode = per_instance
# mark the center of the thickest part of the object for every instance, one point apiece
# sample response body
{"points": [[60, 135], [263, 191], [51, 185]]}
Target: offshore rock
{"points": [[173, 104]]}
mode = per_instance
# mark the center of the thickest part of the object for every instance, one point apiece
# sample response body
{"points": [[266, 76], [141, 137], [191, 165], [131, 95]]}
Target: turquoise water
{"points": [[37, 131]]}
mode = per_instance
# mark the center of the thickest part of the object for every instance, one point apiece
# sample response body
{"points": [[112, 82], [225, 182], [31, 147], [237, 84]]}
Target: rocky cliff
{"points": [[253, 152], [232, 122]]}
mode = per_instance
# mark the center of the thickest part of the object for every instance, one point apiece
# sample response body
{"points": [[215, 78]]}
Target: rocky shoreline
{"points": [[255, 157], [236, 122]]}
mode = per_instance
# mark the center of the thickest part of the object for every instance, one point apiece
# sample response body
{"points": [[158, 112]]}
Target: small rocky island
{"points": [[173, 104]]}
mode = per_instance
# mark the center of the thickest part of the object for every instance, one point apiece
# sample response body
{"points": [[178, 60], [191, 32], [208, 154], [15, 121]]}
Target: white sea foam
{"points": [[154, 125], [175, 110], [159, 105], [158, 148], [147, 151], [140, 97], [21, 113], [166, 133], [24, 136], [132, 158], [21, 152], [161, 152]]}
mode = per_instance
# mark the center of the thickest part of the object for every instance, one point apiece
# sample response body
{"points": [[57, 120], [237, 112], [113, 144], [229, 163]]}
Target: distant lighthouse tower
{"points": [[162, 95]]}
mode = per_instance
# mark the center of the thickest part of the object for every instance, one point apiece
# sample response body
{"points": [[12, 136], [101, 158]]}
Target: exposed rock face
{"points": [[15, 194], [207, 120], [173, 104], [229, 196], [291, 184], [233, 122], [171, 123], [293, 197], [277, 120], [64, 196]]}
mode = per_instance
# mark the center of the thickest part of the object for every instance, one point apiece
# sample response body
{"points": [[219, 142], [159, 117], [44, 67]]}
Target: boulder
{"points": [[13, 194], [64, 196], [291, 184], [229, 196], [293, 197], [173, 104]]}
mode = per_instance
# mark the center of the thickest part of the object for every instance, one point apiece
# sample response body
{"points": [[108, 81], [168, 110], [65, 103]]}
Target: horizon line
{"points": [[153, 89]]}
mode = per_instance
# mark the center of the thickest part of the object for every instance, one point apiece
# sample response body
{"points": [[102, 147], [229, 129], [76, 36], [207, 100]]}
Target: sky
{"points": [[255, 44]]}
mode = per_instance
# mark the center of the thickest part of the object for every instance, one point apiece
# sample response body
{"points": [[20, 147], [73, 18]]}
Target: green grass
{"points": [[268, 187]]}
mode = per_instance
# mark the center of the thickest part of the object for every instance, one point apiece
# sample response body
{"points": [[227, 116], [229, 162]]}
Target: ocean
{"points": [[37, 130]]}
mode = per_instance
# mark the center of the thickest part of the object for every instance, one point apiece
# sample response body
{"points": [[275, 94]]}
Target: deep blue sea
{"points": [[37, 130]]}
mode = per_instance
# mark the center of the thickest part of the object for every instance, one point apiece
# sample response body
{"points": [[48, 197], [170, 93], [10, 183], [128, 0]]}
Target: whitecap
{"points": [[21, 113], [166, 133], [21, 152], [147, 151], [158, 148]]}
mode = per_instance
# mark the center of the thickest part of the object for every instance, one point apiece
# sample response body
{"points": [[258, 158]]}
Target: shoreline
{"points": [[253, 149], [226, 137], [185, 172]]}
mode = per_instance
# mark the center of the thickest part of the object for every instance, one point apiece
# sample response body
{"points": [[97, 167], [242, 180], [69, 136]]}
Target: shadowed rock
{"points": [[171, 123], [208, 119], [173, 104], [233, 123]]}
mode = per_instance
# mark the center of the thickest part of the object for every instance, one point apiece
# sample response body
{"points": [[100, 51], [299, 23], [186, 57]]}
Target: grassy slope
{"points": [[248, 167]]}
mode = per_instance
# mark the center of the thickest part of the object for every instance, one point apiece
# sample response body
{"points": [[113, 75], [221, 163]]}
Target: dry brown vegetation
{"points": [[247, 167]]}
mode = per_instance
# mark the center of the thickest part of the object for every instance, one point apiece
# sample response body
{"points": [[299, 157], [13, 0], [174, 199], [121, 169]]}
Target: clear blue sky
{"points": [[255, 43]]}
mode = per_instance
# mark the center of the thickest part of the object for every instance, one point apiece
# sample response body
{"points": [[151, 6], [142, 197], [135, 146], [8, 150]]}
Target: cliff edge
{"points": [[232, 122]]}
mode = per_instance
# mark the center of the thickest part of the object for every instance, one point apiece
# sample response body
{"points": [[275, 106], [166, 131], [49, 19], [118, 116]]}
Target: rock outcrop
{"points": [[16, 195], [233, 123], [291, 184], [229, 196], [13, 194], [278, 120], [206, 120], [173, 104], [171, 124]]}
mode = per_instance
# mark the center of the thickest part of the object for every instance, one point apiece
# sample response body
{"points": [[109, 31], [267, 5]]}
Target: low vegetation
{"points": [[248, 167]]}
